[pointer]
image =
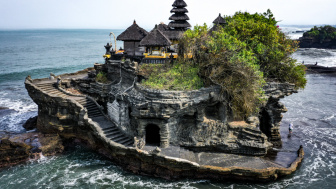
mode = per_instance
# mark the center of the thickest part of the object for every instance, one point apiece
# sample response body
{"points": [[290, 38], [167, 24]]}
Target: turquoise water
{"points": [[39, 52]]}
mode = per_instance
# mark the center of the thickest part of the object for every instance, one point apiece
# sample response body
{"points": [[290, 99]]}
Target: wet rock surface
{"points": [[19, 148], [30, 124], [320, 69]]}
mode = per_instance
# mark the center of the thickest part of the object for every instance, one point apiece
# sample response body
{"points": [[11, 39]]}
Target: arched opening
{"points": [[265, 123], [153, 135]]}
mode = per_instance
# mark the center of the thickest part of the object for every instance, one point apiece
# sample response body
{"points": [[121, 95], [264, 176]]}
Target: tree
{"points": [[241, 56]]}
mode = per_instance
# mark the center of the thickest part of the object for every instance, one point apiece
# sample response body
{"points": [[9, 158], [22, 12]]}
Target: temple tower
{"points": [[179, 17]]}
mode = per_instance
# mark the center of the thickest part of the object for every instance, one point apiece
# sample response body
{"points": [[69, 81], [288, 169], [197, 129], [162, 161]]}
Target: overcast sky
{"points": [[113, 14]]}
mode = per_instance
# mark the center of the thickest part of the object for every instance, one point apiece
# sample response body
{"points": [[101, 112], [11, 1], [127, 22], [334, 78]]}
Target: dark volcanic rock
{"points": [[19, 148], [30, 123], [309, 42], [320, 69]]}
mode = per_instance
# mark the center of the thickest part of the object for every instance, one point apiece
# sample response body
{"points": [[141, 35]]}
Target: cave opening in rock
{"points": [[153, 134], [265, 123]]}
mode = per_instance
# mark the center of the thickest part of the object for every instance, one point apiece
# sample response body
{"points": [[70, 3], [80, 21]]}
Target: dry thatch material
{"points": [[155, 39], [219, 20], [179, 3], [162, 27], [173, 34], [133, 33], [169, 33]]}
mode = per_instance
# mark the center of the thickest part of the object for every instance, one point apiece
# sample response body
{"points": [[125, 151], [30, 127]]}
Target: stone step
{"points": [[91, 107], [93, 110], [92, 116], [94, 113], [118, 138], [112, 132], [49, 90], [114, 136], [251, 132], [130, 142], [109, 128], [47, 87], [123, 141], [55, 91], [45, 84]]}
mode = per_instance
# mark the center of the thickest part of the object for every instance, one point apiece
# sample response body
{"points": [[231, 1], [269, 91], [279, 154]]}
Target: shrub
{"points": [[101, 77], [241, 56]]}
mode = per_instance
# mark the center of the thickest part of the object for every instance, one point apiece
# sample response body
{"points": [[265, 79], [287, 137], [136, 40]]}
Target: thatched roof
{"points": [[173, 34], [133, 33], [179, 16], [219, 20], [179, 10], [179, 3], [155, 38], [162, 27], [179, 24]]}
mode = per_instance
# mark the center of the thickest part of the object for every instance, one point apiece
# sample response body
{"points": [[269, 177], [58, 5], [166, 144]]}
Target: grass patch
{"points": [[102, 78], [171, 77]]}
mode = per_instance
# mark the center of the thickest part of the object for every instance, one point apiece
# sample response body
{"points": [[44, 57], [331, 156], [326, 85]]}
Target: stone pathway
{"points": [[94, 112]]}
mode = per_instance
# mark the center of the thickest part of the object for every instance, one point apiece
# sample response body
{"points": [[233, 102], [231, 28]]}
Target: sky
{"points": [[113, 14]]}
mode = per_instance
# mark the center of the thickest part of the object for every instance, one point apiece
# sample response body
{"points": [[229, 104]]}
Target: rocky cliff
{"points": [[196, 120]]}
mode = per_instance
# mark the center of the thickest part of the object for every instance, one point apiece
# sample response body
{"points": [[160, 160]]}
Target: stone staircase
{"points": [[94, 113]]}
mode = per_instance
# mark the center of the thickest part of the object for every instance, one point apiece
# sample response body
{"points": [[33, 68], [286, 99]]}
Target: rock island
{"points": [[168, 132]]}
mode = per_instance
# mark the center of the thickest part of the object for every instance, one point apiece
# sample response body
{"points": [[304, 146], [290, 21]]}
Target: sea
{"points": [[39, 52]]}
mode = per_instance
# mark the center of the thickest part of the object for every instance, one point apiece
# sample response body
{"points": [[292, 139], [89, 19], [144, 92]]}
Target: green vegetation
{"points": [[171, 77], [321, 33], [101, 77], [238, 57]]}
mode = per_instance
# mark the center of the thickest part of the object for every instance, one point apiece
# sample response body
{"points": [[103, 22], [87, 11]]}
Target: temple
{"points": [[157, 46], [165, 133]]}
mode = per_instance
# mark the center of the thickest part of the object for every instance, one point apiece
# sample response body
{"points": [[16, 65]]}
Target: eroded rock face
{"points": [[310, 42], [199, 120], [19, 148], [271, 113]]}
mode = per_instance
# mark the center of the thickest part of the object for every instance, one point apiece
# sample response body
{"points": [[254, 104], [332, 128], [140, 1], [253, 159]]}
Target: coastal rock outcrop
{"points": [[185, 125], [19, 148], [30, 124], [323, 37]]}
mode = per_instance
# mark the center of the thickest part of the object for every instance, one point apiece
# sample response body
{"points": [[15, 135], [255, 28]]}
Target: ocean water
{"points": [[39, 52]]}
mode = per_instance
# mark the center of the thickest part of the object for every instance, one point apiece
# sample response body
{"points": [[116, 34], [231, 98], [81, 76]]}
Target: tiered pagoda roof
{"points": [[179, 18], [133, 33], [155, 38]]}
